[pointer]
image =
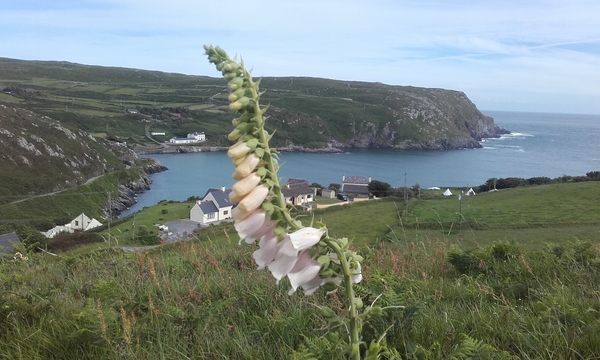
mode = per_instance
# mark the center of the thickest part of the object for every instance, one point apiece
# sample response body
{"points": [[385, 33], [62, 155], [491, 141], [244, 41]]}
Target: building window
{"points": [[210, 215], [226, 212]]}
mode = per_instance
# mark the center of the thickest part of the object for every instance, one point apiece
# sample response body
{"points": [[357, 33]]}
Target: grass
{"points": [[204, 299], [150, 218], [530, 216]]}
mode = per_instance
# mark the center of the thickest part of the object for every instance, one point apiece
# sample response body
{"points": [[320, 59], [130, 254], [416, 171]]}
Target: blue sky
{"points": [[505, 55]]}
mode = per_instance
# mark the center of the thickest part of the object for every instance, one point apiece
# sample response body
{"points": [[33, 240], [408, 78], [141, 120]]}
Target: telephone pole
{"points": [[405, 193]]}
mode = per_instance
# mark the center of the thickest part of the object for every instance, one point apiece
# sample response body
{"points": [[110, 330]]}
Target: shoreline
{"points": [[332, 148], [167, 149]]}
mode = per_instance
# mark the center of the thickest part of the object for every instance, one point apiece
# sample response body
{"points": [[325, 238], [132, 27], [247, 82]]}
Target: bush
{"points": [[66, 241]]}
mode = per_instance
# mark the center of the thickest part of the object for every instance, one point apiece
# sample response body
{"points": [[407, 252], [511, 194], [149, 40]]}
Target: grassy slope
{"points": [[203, 299], [46, 211], [530, 216], [306, 111]]}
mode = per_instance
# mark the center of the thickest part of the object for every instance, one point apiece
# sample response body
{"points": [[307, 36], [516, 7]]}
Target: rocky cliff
{"points": [[327, 114]]}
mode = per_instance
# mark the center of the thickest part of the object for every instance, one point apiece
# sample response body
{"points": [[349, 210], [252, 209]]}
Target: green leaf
{"points": [[260, 152]]}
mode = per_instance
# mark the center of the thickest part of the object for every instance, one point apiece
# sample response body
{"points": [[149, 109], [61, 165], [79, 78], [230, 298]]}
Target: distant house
{"points": [[82, 223], [177, 115], [6, 241], [191, 138], [132, 111], [297, 192], [213, 207], [356, 185], [327, 193], [158, 133]]}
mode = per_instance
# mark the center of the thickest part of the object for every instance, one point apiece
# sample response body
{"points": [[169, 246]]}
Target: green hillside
{"points": [[493, 298], [308, 112]]}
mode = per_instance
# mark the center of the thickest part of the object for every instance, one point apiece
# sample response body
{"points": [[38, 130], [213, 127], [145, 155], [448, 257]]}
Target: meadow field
{"points": [[516, 277]]}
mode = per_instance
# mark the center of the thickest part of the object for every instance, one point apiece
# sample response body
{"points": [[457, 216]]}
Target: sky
{"points": [[512, 55]]}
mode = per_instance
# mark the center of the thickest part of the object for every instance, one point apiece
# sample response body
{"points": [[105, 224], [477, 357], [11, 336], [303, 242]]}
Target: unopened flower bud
{"points": [[221, 52], [237, 94], [327, 312], [238, 150], [230, 75], [235, 197], [234, 135], [231, 66], [246, 167], [375, 311], [246, 185], [239, 104], [253, 200], [236, 83]]}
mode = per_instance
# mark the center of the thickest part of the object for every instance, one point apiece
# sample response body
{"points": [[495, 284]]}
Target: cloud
{"points": [[503, 50]]}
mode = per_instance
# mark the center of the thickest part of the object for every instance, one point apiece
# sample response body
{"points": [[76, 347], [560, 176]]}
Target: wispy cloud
{"points": [[534, 55]]}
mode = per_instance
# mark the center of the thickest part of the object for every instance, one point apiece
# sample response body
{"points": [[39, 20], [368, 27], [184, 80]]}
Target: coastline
{"points": [[168, 149], [336, 148]]}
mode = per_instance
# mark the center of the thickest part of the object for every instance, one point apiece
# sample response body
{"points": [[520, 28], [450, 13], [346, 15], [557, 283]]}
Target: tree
{"points": [[379, 188], [334, 186], [594, 175]]}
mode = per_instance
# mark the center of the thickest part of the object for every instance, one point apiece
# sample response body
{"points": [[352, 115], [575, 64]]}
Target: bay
{"points": [[540, 144]]}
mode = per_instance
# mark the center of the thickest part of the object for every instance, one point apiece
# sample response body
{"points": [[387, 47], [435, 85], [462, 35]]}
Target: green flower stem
{"points": [[352, 312], [270, 162]]}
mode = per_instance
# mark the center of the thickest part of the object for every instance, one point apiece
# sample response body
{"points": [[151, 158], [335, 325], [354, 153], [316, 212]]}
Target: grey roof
{"points": [[295, 189], [6, 241], [208, 207], [356, 180], [297, 181], [355, 189], [221, 197]]}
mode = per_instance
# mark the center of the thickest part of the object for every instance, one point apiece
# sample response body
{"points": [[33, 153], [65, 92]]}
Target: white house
{"points": [[191, 138], [297, 192], [82, 222], [213, 207]]}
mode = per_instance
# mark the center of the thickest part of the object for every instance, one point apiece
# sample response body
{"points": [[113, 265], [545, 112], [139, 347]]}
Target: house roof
{"points": [[297, 181], [220, 196], [295, 189], [208, 207], [6, 241], [355, 189], [356, 180]]}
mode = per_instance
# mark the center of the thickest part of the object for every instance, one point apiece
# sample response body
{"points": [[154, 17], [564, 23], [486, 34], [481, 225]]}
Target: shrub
{"points": [[66, 241]]}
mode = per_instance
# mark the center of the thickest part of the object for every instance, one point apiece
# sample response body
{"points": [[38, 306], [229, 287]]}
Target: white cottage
{"points": [[191, 138], [81, 222], [213, 207]]}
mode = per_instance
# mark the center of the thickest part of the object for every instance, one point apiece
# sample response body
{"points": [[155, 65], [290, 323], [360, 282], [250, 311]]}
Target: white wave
{"points": [[511, 136]]}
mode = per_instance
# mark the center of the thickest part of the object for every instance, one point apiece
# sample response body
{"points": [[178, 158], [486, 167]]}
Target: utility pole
{"points": [[133, 228], [109, 216], [460, 213], [405, 193]]}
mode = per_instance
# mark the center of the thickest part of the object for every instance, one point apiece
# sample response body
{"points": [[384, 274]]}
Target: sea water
{"points": [[540, 144]]}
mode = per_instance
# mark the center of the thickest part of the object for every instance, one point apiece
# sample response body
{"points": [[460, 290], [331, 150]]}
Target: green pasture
{"points": [[9, 98], [530, 215], [149, 217]]}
